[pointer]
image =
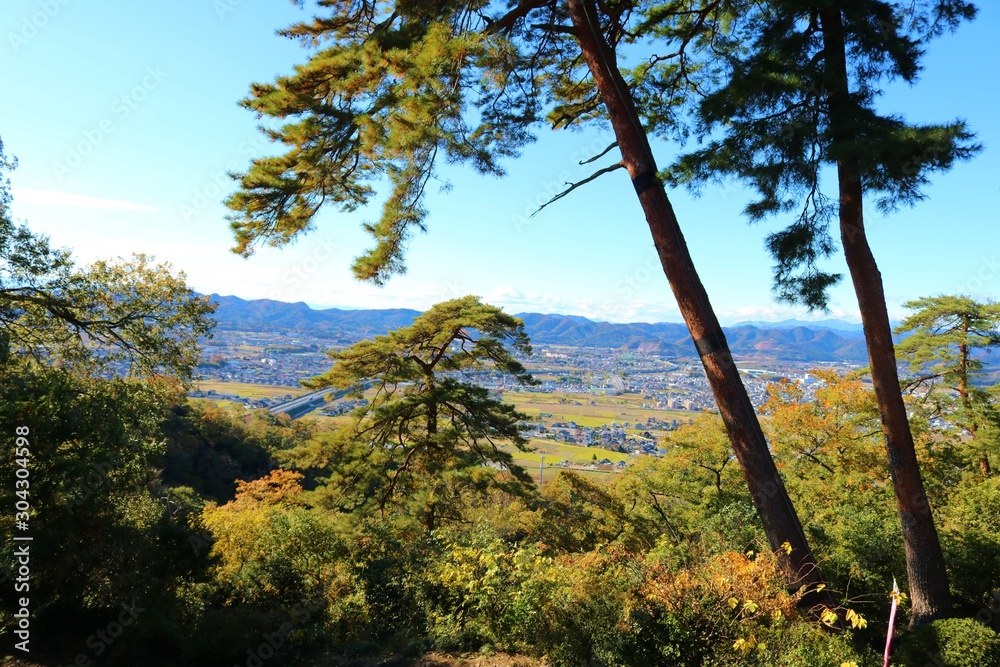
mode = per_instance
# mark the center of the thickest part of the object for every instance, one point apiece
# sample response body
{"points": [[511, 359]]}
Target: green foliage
{"points": [[270, 549], [803, 645], [665, 565], [131, 311], [946, 332], [971, 539], [616, 607], [208, 448], [770, 112], [102, 528], [387, 96], [952, 642], [701, 453]]}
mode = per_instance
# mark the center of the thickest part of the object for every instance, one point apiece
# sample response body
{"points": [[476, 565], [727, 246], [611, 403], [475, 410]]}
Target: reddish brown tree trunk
{"points": [[781, 524], [928, 577]]}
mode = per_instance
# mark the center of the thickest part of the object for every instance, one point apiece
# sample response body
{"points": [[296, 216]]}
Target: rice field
{"points": [[247, 390], [577, 408]]}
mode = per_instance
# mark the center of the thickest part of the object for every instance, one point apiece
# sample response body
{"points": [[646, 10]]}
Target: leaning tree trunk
{"points": [[781, 524], [925, 567]]}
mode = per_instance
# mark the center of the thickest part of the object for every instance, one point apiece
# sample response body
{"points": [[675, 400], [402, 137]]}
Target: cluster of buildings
{"points": [[261, 358], [663, 383], [641, 438]]}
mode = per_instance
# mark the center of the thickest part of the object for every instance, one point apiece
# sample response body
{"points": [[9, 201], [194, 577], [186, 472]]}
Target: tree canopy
{"points": [[948, 336], [391, 88], [944, 333], [768, 112], [787, 90], [132, 312]]}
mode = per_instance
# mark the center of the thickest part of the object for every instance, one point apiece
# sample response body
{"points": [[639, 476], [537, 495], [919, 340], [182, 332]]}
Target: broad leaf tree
{"points": [[132, 313], [429, 434], [392, 89], [788, 93]]}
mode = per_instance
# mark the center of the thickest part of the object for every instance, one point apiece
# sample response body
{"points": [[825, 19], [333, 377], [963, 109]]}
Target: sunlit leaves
{"points": [[856, 620]]}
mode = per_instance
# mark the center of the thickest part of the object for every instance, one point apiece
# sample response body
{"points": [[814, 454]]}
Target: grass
{"points": [[555, 452]]}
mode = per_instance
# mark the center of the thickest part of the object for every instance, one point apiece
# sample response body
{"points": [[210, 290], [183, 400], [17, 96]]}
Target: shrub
{"points": [[952, 642]]}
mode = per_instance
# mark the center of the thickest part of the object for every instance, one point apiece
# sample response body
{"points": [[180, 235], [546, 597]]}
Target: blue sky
{"points": [[124, 118]]}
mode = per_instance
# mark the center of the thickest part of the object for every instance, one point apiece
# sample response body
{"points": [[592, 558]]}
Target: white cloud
{"points": [[71, 200], [610, 310], [777, 313]]}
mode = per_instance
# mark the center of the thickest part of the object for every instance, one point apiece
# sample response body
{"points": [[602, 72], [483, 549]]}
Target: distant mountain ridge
{"points": [[789, 343], [833, 325]]}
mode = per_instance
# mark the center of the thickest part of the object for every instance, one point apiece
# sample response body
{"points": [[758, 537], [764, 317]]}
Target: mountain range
{"points": [[835, 325], [779, 342]]}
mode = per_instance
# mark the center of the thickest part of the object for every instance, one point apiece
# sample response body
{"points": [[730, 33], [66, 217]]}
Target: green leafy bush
{"points": [[952, 642]]}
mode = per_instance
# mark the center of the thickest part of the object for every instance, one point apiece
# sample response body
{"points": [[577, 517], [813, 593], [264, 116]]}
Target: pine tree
{"points": [[945, 331], [427, 436], [789, 88]]}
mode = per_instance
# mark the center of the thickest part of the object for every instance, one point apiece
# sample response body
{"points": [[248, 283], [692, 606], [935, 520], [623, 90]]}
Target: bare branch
{"points": [[573, 186], [613, 144]]}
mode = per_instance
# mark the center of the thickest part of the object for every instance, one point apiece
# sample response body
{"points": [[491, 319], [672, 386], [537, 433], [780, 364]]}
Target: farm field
{"points": [[555, 452], [248, 390], [579, 457], [577, 408]]}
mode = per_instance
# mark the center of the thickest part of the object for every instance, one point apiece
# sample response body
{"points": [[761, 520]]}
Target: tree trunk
{"points": [[432, 409], [928, 577], [781, 524], [963, 379]]}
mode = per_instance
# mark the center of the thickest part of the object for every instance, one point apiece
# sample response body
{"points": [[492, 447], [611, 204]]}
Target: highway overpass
{"points": [[303, 405]]}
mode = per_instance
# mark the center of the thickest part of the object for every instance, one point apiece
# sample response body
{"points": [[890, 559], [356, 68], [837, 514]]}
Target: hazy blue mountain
{"points": [[276, 316], [835, 325], [785, 343]]}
